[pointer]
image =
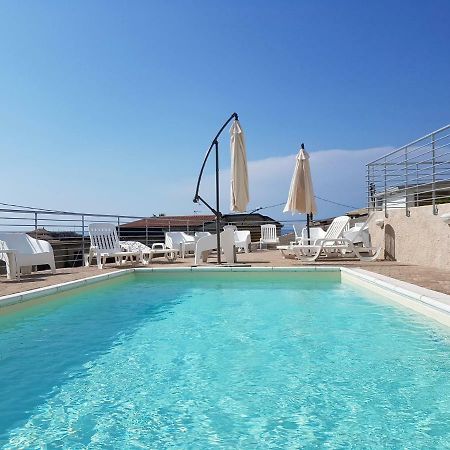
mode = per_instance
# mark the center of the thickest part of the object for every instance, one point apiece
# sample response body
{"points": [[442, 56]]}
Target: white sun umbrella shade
{"points": [[239, 196], [301, 193]]}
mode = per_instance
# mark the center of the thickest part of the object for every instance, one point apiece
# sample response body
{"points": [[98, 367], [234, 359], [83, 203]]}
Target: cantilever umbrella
{"points": [[239, 196], [301, 193]]}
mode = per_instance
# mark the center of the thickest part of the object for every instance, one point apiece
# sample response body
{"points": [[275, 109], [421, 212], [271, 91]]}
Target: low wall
{"points": [[422, 238]]}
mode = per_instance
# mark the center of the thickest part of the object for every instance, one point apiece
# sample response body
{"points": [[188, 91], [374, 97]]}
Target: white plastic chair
{"points": [[22, 252], [105, 243], [207, 243], [180, 241], [359, 234], [315, 233], [301, 234], [200, 234], [230, 227], [268, 235], [242, 240], [298, 229]]}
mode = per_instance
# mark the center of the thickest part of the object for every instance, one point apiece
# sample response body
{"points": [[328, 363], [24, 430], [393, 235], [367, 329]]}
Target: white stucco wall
{"points": [[422, 239]]}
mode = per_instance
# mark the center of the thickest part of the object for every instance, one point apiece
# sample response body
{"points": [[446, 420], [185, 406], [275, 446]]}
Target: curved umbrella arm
{"points": [[214, 142]]}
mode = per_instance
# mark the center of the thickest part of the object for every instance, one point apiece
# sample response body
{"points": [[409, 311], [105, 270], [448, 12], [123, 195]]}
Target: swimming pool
{"points": [[226, 360]]}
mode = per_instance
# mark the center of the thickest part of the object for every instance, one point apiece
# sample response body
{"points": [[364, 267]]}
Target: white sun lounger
{"points": [[105, 244], [311, 252], [21, 252], [207, 243], [314, 234], [336, 244], [157, 249]]}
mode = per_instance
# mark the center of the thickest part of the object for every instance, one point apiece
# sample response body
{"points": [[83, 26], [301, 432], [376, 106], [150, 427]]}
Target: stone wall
{"points": [[422, 239]]}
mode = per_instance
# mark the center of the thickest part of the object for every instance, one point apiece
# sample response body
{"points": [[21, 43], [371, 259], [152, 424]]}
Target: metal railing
{"points": [[416, 174], [68, 232]]}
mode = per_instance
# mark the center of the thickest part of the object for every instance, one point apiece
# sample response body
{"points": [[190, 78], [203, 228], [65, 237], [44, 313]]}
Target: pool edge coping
{"points": [[433, 304], [391, 287], [20, 297]]}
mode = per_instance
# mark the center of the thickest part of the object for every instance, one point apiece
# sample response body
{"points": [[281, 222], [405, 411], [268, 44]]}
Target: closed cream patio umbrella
{"points": [[239, 196], [239, 175], [301, 193]]}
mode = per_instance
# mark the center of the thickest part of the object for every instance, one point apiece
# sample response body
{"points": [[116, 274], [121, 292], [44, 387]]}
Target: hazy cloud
{"points": [[338, 175]]}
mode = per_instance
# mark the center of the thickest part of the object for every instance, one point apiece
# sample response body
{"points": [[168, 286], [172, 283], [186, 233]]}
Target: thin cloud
{"points": [[338, 175]]}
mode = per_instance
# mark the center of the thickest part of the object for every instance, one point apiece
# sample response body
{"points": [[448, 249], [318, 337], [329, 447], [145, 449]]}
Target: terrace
{"points": [[426, 277]]}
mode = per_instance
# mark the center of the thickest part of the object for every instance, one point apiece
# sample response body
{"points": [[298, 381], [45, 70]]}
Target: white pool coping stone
{"points": [[20, 297], [425, 301]]}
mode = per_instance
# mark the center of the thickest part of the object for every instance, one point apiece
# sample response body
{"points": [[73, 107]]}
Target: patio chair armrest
{"points": [[159, 245]]}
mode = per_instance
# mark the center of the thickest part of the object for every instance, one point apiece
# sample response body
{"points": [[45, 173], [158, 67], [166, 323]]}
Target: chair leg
{"points": [[90, 255], [99, 261], [9, 269]]}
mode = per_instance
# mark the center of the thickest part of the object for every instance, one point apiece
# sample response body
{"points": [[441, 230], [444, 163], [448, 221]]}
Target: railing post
{"points": [[385, 189], [406, 183], [82, 240], [118, 227], [433, 168], [417, 185], [146, 232], [36, 225]]}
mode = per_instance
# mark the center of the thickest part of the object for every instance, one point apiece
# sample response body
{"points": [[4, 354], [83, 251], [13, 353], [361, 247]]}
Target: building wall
{"points": [[422, 239]]}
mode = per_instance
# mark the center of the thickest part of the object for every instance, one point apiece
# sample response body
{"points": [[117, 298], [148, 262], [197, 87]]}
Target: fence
{"points": [[68, 231], [416, 174]]}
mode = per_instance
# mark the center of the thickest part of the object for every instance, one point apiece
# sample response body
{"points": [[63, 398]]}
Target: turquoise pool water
{"points": [[222, 361]]}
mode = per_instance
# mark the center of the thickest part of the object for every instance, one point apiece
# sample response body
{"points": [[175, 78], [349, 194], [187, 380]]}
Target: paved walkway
{"points": [[435, 279]]}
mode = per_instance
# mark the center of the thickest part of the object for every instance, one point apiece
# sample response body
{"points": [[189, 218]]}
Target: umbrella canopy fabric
{"points": [[239, 197], [301, 193]]}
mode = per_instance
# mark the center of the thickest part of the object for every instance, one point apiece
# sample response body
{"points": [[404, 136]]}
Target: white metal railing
{"points": [[416, 174], [68, 231]]}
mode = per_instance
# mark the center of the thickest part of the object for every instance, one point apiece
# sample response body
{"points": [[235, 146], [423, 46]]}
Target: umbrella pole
{"points": [[218, 214], [307, 227], [197, 196]]}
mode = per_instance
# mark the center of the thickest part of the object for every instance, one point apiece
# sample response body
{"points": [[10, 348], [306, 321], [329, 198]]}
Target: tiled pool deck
{"points": [[430, 278]]}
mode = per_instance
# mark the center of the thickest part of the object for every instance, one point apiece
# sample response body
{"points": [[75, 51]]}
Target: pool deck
{"points": [[427, 277]]}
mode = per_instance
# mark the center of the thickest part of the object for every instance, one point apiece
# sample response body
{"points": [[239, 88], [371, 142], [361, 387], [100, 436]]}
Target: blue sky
{"points": [[109, 106]]}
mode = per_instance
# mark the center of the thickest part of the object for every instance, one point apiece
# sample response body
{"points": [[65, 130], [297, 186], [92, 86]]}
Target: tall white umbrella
{"points": [[239, 196], [301, 193]]}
